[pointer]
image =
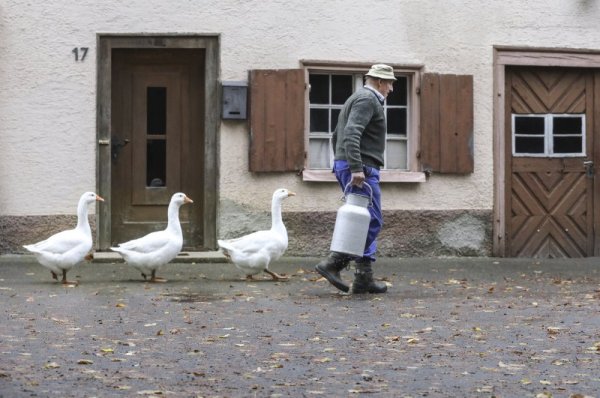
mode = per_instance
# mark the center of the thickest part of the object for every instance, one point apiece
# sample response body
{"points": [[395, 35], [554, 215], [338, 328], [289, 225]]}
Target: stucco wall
{"points": [[48, 101]]}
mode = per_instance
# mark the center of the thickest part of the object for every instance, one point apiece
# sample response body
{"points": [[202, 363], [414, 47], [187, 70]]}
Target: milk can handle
{"points": [[364, 183]]}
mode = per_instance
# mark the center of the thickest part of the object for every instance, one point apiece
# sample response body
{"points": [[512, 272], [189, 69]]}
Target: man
{"points": [[359, 144]]}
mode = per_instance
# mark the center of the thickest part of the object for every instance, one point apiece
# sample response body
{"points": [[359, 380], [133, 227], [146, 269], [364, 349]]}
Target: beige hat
{"points": [[382, 71]]}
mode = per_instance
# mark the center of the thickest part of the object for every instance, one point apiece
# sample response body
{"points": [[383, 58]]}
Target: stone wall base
{"points": [[404, 234], [16, 231]]}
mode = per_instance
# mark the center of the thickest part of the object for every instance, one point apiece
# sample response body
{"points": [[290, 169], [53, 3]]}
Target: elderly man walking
{"points": [[359, 145]]}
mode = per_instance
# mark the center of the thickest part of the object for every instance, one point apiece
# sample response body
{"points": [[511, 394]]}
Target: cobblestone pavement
{"points": [[460, 327]]}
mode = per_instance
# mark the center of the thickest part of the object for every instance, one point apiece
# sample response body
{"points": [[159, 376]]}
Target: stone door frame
{"points": [[105, 43]]}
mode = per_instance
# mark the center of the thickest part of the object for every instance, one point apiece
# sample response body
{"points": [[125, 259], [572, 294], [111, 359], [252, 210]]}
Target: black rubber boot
{"points": [[363, 280], [330, 269]]}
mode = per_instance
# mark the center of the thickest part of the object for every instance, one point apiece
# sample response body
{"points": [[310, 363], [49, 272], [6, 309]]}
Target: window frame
{"points": [[413, 74], [549, 136]]}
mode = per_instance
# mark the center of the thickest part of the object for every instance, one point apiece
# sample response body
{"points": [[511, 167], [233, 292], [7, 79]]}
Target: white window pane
{"points": [[396, 157], [318, 154]]}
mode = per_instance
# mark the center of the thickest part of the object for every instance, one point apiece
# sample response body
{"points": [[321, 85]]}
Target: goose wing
{"points": [[59, 243], [152, 242]]}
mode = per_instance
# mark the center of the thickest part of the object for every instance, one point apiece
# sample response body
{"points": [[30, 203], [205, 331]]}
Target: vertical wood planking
{"points": [[448, 133], [294, 116], [275, 102], [430, 140], [464, 124], [447, 123], [276, 120]]}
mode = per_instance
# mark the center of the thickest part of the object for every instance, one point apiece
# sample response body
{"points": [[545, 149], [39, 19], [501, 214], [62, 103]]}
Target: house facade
{"points": [[491, 145]]}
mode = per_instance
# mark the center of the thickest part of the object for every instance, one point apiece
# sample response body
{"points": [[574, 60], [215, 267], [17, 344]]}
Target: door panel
{"points": [[549, 200], [157, 114], [156, 136]]}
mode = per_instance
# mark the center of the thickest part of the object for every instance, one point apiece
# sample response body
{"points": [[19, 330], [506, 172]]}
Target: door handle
{"points": [[116, 145], [589, 168]]}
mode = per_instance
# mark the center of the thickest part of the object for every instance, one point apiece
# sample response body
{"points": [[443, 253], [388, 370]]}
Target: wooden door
{"points": [[157, 141], [550, 153]]}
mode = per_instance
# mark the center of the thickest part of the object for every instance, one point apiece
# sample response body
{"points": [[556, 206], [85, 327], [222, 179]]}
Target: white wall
{"points": [[48, 101]]}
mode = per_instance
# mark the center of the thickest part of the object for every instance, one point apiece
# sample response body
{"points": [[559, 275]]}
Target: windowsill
{"points": [[386, 176]]}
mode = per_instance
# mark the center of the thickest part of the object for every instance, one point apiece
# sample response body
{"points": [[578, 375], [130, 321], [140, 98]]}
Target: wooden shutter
{"points": [[277, 120], [447, 123]]}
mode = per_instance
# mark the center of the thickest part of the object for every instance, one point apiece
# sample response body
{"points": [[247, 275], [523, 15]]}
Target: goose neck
{"points": [[173, 217], [276, 220], [82, 217]]}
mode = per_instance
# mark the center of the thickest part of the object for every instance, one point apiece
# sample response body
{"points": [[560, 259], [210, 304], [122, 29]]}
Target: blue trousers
{"points": [[344, 176]]}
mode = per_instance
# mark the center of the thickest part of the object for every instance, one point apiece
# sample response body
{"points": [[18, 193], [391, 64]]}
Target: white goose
{"points": [[62, 251], [148, 253], [252, 253]]}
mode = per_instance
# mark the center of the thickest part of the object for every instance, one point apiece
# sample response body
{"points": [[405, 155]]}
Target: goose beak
{"points": [[187, 200], [99, 198], [290, 193]]}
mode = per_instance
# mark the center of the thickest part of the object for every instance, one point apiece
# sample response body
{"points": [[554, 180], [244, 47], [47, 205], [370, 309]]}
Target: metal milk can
{"points": [[352, 223]]}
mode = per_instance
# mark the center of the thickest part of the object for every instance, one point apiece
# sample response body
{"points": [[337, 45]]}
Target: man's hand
{"points": [[358, 177]]}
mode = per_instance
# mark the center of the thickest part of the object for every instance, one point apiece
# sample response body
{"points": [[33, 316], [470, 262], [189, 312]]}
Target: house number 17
{"points": [[80, 53]]}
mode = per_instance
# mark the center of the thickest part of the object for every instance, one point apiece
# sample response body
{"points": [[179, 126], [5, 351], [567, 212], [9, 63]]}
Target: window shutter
{"points": [[276, 120], [446, 144]]}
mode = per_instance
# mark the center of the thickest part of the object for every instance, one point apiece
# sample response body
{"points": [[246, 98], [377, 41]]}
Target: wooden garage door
{"points": [[550, 181]]}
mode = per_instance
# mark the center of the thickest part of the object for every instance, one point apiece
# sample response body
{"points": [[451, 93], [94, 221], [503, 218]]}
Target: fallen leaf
{"points": [[511, 366], [85, 362], [51, 365], [407, 315]]}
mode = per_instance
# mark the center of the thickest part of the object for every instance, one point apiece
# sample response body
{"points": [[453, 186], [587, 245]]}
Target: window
{"points": [[328, 92], [429, 121], [550, 135]]}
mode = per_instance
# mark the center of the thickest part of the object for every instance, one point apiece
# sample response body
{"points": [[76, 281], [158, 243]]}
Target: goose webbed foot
{"points": [[54, 276], [65, 281], [277, 277], [156, 279]]}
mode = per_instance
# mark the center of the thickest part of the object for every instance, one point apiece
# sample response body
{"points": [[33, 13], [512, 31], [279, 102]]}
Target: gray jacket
{"points": [[359, 137]]}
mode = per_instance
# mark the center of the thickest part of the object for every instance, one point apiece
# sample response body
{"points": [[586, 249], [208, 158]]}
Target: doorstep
{"points": [[183, 257]]}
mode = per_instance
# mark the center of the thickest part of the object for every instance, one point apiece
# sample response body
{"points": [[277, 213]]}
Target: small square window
{"points": [[549, 135]]}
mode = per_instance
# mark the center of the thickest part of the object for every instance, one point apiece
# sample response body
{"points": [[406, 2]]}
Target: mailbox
{"points": [[235, 98]]}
